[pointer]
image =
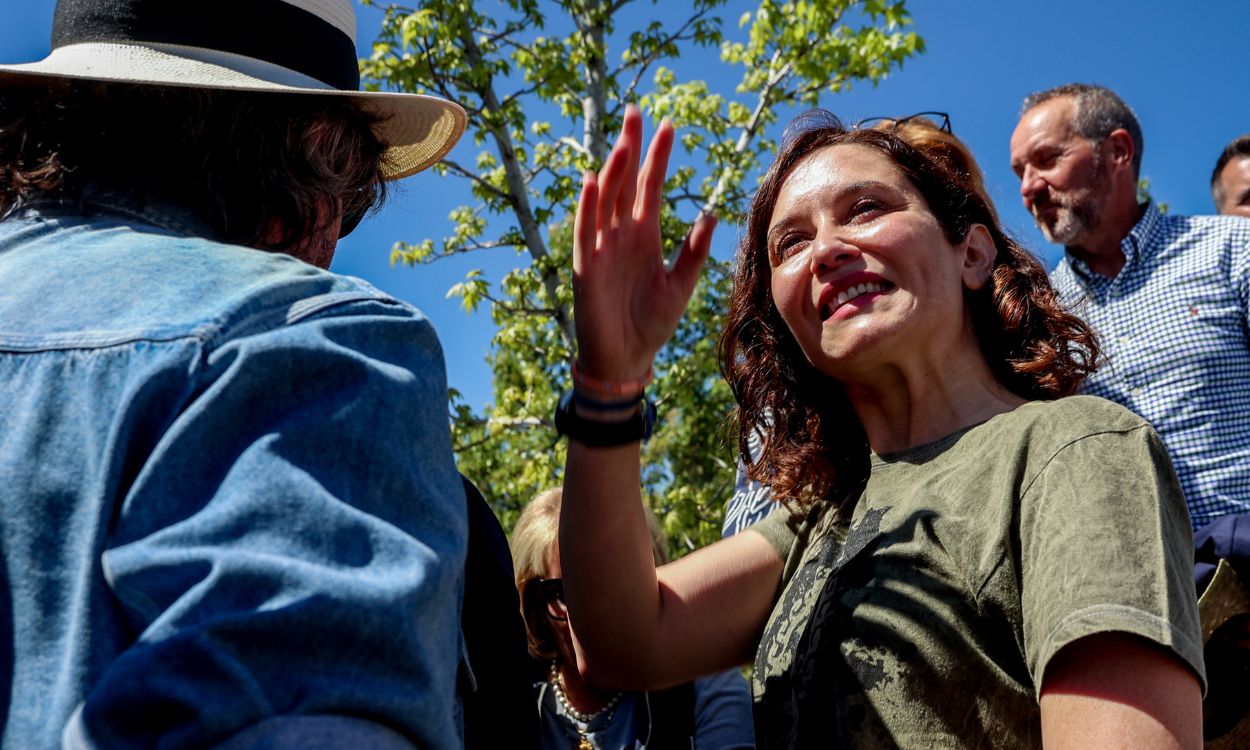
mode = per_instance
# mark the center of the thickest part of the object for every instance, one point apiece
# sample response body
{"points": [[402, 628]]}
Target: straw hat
{"points": [[281, 46]]}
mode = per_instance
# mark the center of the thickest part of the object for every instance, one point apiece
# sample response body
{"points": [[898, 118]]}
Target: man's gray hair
{"points": [[1098, 112]]}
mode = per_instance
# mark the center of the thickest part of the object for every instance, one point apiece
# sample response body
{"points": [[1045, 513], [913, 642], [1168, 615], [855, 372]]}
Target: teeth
{"points": [[857, 290]]}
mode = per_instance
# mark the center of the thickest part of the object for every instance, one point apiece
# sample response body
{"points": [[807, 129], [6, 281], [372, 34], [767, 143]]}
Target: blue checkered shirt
{"points": [[1173, 325]]}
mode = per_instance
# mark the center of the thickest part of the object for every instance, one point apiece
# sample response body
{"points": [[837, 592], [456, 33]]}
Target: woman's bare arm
{"points": [[1115, 690], [636, 627]]}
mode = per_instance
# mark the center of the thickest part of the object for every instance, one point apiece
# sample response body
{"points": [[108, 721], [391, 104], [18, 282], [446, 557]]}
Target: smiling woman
{"points": [[951, 294], [967, 557]]}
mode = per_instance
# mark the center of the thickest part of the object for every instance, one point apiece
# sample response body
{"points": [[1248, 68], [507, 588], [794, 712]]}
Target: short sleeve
{"points": [[779, 529], [1106, 546], [294, 545]]}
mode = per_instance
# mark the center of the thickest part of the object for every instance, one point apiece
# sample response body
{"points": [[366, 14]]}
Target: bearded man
{"points": [[1169, 295]]}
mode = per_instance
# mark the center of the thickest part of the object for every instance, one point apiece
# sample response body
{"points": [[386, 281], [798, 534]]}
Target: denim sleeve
{"points": [[293, 547], [723, 712]]}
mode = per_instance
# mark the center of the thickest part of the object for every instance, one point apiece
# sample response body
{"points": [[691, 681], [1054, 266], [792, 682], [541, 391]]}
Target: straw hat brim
{"points": [[418, 130]]}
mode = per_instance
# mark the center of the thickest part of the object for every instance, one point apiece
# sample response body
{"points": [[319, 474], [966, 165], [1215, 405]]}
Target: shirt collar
{"points": [[1136, 243]]}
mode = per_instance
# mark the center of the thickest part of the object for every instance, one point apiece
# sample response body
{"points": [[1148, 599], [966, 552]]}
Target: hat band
{"points": [[270, 30]]}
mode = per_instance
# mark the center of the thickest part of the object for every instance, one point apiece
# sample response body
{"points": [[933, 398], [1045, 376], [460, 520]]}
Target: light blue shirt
{"points": [[228, 505], [1174, 325]]}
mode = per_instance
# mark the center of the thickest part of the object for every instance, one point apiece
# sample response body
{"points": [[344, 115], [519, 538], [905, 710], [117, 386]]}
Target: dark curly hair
{"points": [[242, 162], [816, 448]]}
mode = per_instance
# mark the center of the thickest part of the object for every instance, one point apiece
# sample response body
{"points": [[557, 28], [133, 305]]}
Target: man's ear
{"points": [[1119, 147], [979, 254]]}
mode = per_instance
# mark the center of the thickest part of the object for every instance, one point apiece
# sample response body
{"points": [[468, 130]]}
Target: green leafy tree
{"points": [[545, 84]]}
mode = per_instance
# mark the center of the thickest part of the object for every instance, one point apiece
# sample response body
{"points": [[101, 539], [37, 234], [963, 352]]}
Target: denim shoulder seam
{"points": [[273, 317], [79, 341]]}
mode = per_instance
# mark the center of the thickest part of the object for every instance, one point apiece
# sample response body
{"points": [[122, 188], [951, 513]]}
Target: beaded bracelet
{"points": [[607, 391]]}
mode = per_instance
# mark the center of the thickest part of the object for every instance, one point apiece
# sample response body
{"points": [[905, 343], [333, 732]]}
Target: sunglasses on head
{"points": [[816, 119], [869, 122]]}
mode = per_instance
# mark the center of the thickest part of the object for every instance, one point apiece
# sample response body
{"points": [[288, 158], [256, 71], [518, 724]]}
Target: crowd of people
{"points": [[979, 505]]}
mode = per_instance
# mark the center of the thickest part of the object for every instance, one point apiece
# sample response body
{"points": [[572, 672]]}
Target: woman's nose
{"points": [[831, 251]]}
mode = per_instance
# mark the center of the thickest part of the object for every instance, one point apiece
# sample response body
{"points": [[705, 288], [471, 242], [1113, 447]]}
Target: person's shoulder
{"points": [[1064, 279], [1047, 426], [133, 280], [256, 292], [1077, 414], [1235, 229]]}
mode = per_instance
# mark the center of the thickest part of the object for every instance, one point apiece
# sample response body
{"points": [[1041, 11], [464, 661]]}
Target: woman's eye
{"points": [[789, 246], [866, 207]]}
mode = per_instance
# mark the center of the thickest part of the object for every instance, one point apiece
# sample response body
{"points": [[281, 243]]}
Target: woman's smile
{"points": [[850, 294]]}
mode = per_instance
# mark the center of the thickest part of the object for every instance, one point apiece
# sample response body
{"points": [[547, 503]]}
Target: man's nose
{"points": [[1031, 183]]}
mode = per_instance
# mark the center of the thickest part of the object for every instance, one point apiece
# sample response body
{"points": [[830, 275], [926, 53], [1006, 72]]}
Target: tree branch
{"points": [[473, 177], [518, 193], [646, 62], [750, 130]]}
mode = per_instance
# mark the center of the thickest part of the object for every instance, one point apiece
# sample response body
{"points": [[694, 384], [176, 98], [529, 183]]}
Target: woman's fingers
{"points": [[654, 170], [693, 252], [631, 131], [584, 221], [610, 178], [623, 197]]}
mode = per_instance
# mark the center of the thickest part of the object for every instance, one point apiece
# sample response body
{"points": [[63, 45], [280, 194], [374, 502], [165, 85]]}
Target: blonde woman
{"points": [[711, 713]]}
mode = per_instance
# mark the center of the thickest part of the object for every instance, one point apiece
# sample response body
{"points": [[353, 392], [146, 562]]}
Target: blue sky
{"points": [[1177, 67]]}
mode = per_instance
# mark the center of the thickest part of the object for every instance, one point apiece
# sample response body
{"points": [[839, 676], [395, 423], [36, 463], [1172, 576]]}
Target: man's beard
{"points": [[1075, 212]]}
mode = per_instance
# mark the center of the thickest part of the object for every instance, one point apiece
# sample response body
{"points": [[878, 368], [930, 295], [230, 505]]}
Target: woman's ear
{"points": [[979, 254]]}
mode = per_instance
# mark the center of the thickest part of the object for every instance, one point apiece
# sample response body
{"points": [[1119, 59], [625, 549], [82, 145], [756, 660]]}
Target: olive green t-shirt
{"points": [[928, 619]]}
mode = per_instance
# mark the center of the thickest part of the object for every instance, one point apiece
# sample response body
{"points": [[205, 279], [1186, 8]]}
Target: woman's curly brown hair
{"points": [[242, 162], [815, 446]]}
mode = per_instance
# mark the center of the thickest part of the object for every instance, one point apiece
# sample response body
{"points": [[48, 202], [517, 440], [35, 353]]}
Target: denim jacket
{"points": [[229, 512]]}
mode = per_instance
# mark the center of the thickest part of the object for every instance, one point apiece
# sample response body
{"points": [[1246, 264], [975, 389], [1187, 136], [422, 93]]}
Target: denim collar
{"points": [[164, 214]]}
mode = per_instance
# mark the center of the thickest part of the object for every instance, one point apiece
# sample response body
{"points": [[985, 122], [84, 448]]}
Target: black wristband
{"points": [[598, 434]]}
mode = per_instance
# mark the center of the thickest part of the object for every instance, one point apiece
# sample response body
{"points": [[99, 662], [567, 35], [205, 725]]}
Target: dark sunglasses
{"points": [[548, 594], [354, 210], [818, 119], [869, 122]]}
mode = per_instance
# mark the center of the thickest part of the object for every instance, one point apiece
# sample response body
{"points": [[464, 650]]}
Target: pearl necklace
{"points": [[581, 721]]}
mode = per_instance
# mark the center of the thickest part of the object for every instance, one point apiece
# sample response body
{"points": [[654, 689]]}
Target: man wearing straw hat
{"points": [[229, 513]]}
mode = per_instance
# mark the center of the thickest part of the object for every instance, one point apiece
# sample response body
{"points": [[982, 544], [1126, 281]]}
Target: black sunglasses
{"points": [[869, 122], [548, 594], [818, 119], [353, 211]]}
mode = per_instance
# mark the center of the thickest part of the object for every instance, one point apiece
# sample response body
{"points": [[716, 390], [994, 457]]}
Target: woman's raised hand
{"points": [[627, 302]]}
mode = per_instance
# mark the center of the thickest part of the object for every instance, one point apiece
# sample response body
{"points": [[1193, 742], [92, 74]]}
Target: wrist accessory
{"points": [[609, 390], [591, 404], [595, 434]]}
